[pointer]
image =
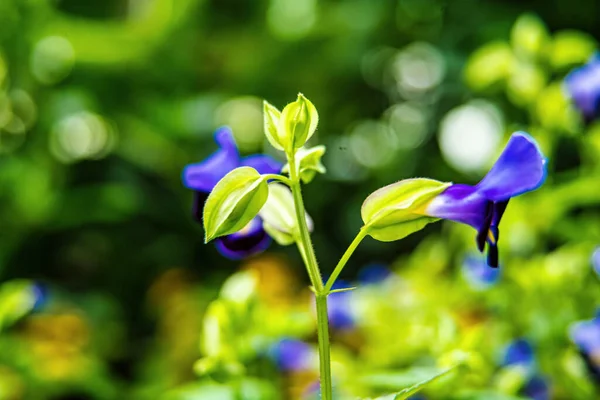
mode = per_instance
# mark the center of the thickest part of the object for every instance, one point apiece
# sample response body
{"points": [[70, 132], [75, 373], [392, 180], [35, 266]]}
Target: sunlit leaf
{"points": [[234, 201], [397, 210], [308, 163]]}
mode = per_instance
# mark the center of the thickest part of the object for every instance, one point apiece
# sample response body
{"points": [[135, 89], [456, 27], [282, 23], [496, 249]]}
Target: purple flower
{"points": [[204, 175], [583, 86], [520, 168], [586, 336], [596, 261], [291, 355], [479, 275]]}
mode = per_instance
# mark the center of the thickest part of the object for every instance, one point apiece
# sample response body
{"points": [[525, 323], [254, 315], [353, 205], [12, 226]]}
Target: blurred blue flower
{"points": [[339, 307], [596, 261], [520, 168], [373, 274], [291, 355], [586, 336], [204, 175], [479, 275], [519, 353], [40, 294], [537, 388], [583, 86]]}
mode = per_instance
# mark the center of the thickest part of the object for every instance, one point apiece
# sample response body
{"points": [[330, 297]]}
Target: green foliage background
{"points": [[102, 103]]}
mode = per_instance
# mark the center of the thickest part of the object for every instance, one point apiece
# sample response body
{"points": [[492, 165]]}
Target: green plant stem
{"points": [[308, 255], [347, 254], [324, 351], [280, 178]]}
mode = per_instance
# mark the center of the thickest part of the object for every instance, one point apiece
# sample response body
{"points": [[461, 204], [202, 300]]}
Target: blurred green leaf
{"points": [[489, 66], [570, 48]]}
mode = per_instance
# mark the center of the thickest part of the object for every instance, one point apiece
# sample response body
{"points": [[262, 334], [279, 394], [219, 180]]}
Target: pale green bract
{"points": [[308, 163], [397, 210], [234, 201], [271, 117], [278, 215], [298, 122]]}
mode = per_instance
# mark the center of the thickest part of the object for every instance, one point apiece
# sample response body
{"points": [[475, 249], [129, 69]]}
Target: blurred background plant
{"points": [[107, 290]]}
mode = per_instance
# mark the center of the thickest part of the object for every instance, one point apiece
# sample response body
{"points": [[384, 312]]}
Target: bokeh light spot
{"points": [[470, 135]]}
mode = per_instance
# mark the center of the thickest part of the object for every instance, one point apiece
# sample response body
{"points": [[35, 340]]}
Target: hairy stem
{"points": [[308, 255]]}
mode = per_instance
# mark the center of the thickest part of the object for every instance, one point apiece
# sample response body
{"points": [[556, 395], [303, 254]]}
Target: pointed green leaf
{"points": [[397, 210], [271, 124], [298, 123], [234, 201], [308, 163], [279, 216], [406, 393]]}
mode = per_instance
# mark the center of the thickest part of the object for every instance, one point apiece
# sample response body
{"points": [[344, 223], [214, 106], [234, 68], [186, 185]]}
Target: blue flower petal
{"points": [[586, 335], [583, 86], [596, 261], [373, 274], [460, 203], [252, 239], [479, 275], [263, 163], [339, 308], [537, 388], [520, 168], [520, 352], [291, 355], [203, 176]]}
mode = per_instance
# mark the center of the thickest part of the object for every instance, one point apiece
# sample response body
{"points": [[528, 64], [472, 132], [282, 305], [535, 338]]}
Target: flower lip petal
{"points": [[520, 168], [204, 175], [263, 163]]}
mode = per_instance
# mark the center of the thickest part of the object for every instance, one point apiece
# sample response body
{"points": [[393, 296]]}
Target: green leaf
{"points": [[308, 163], [271, 123], [279, 216], [397, 210], [235, 200], [406, 393], [298, 123], [17, 298]]}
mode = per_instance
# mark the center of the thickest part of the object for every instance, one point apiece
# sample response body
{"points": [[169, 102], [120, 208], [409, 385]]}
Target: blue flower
{"points": [[519, 353], [596, 261], [339, 307], [204, 175], [479, 275], [520, 168], [583, 86], [373, 274], [537, 388], [586, 336], [291, 355]]}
